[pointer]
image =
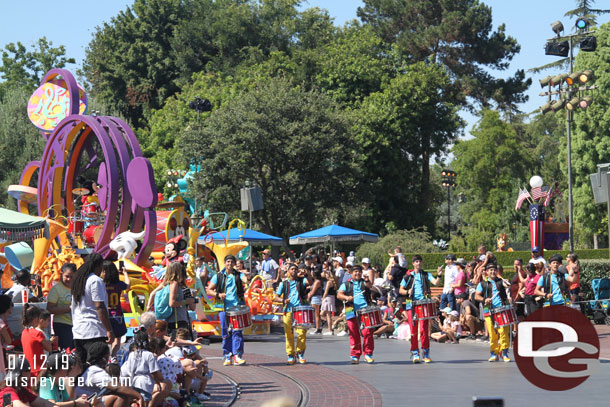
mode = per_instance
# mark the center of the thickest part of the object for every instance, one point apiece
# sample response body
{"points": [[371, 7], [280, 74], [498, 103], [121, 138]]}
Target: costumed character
{"points": [[416, 286], [126, 243], [293, 293], [173, 249], [227, 286], [357, 294], [90, 201], [493, 295], [502, 243]]}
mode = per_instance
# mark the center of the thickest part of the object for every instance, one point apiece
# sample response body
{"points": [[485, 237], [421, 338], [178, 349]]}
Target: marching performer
{"points": [[492, 294], [357, 294], [293, 293], [552, 285], [228, 287], [416, 286]]}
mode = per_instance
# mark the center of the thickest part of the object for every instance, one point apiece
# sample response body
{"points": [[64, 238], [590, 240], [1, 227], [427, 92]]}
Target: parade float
{"points": [[97, 193]]}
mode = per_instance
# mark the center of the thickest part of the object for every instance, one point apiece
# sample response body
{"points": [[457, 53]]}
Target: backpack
{"points": [[162, 308]]}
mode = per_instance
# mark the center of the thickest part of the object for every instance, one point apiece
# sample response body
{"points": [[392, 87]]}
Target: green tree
{"points": [[296, 145], [25, 68], [590, 144], [20, 141], [400, 129], [491, 166], [455, 33]]}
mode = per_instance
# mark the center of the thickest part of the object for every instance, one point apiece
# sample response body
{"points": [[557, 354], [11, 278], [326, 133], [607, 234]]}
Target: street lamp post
{"points": [[448, 181]]}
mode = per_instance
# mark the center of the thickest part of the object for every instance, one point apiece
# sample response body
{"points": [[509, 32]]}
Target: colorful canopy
{"points": [[333, 233], [17, 226], [251, 236]]}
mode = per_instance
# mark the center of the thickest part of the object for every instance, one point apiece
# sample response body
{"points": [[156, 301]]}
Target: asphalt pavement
{"points": [[457, 374]]}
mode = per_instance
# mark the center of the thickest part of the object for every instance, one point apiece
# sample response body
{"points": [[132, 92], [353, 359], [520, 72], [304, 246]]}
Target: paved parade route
{"points": [[457, 373]]}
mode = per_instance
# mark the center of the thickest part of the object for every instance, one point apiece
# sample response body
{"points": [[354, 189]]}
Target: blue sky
{"points": [[71, 23]]}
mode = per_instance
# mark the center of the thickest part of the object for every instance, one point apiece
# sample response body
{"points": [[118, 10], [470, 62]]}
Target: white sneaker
{"points": [[328, 333], [342, 333]]}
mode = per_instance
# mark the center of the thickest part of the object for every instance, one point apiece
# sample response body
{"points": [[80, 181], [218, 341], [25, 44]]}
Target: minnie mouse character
{"points": [[172, 250]]}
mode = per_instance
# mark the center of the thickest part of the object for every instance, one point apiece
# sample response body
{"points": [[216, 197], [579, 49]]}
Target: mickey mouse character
{"points": [[172, 250]]}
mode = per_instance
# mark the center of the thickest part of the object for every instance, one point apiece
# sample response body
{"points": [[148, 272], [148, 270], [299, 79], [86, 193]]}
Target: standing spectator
{"points": [[315, 296], [536, 257], [447, 297], [90, 319], [201, 270], [516, 288], [34, 341], [459, 285], [338, 266], [58, 304], [401, 260], [23, 282], [351, 257], [114, 291], [174, 277], [269, 268], [574, 272], [328, 299], [367, 272], [36, 288]]}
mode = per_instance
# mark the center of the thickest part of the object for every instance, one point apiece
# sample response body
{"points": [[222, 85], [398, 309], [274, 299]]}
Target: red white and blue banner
{"points": [[537, 227]]}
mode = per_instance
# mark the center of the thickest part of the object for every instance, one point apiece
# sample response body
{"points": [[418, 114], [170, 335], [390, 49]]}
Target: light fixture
{"points": [[582, 23], [557, 27], [572, 104], [588, 44], [560, 49], [573, 78], [545, 108], [545, 81], [557, 79], [558, 105], [585, 102], [586, 76]]}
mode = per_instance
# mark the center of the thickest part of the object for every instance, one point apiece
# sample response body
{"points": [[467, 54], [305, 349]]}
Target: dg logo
{"points": [[557, 348]]}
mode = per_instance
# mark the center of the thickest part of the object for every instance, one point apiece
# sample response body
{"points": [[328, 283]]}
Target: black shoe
{"points": [[472, 337]]}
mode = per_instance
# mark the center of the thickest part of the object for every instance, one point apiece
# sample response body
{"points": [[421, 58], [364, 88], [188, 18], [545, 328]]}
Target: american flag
{"points": [[540, 192], [523, 195]]}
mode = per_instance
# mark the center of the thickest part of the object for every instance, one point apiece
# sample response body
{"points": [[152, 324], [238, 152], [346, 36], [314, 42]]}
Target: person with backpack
{"points": [[552, 285], [493, 295], [169, 301], [228, 287], [416, 286], [293, 293], [357, 295]]}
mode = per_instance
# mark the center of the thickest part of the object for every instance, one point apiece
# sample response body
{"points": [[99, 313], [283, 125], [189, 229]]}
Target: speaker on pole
{"points": [[251, 199]]}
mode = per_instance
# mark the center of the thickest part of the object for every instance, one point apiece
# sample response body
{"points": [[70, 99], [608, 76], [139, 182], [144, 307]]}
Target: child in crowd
{"points": [[194, 367], [43, 326], [114, 290], [34, 342], [451, 329], [171, 369], [6, 339]]}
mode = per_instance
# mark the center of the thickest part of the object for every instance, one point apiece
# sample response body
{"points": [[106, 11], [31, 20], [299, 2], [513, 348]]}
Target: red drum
{"points": [[371, 316], [503, 316], [92, 235], [239, 317], [424, 309], [303, 317], [76, 226]]}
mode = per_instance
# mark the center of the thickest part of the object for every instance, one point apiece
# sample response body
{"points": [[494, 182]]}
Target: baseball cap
{"points": [[349, 263], [366, 260], [491, 266], [454, 314], [266, 251], [446, 310], [535, 249], [461, 262], [451, 257], [338, 259]]}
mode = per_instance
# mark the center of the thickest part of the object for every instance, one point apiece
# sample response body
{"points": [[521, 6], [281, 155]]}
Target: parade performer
{"points": [[552, 285], [293, 293], [416, 286], [493, 295], [172, 250], [357, 294], [228, 287]]}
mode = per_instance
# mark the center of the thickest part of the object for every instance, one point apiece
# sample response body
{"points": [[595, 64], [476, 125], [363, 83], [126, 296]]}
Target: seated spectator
{"points": [[388, 324], [52, 384], [17, 382], [469, 315], [95, 378], [143, 372], [23, 281], [451, 328]]}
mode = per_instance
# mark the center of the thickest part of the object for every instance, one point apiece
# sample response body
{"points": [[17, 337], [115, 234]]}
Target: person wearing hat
{"points": [[451, 271], [227, 287], [536, 257], [416, 286], [339, 270], [493, 295], [367, 272], [357, 295], [552, 285], [459, 285]]}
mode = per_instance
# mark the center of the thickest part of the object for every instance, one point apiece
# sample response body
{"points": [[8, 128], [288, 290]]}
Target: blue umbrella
{"points": [[333, 233], [251, 236]]}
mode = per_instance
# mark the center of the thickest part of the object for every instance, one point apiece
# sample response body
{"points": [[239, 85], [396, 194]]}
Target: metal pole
{"points": [[448, 213], [608, 194], [569, 131]]}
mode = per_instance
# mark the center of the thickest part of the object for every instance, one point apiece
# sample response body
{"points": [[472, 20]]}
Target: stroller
{"points": [[599, 307]]}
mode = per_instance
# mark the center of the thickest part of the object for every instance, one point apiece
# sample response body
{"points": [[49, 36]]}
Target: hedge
{"points": [[506, 259]]}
